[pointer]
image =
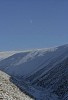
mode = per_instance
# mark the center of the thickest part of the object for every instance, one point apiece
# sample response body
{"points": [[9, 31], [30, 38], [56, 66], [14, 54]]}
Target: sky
{"points": [[30, 24]]}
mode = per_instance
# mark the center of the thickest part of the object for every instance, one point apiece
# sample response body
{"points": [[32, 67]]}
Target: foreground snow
{"points": [[9, 91]]}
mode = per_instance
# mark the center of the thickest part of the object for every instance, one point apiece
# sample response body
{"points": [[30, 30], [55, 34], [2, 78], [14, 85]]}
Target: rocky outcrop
{"points": [[8, 91]]}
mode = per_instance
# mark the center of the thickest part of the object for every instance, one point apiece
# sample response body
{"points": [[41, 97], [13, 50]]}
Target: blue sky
{"points": [[28, 24]]}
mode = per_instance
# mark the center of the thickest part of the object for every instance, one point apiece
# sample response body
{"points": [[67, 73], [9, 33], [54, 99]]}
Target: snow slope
{"points": [[6, 54], [40, 72]]}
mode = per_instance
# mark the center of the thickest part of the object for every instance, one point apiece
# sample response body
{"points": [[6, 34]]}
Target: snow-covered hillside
{"points": [[42, 73]]}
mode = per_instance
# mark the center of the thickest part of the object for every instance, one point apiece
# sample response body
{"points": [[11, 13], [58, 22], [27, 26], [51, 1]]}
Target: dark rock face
{"points": [[55, 79]]}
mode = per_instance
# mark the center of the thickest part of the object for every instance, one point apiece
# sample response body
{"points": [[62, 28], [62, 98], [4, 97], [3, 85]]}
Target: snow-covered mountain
{"points": [[42, 73]]}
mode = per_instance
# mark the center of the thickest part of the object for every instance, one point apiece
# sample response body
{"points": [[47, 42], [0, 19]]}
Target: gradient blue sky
{"points": [[28, 24]]}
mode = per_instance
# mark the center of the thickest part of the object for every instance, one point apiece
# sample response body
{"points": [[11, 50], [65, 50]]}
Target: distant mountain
{"points": [[6, 54], [42, 73]]}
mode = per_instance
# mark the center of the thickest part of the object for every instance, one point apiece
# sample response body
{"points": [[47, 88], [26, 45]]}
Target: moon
{"points": [[31, 21]]}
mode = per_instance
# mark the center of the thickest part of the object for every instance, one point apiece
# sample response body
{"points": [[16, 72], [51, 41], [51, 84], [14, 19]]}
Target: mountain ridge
{"points": [[39, 71]]}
